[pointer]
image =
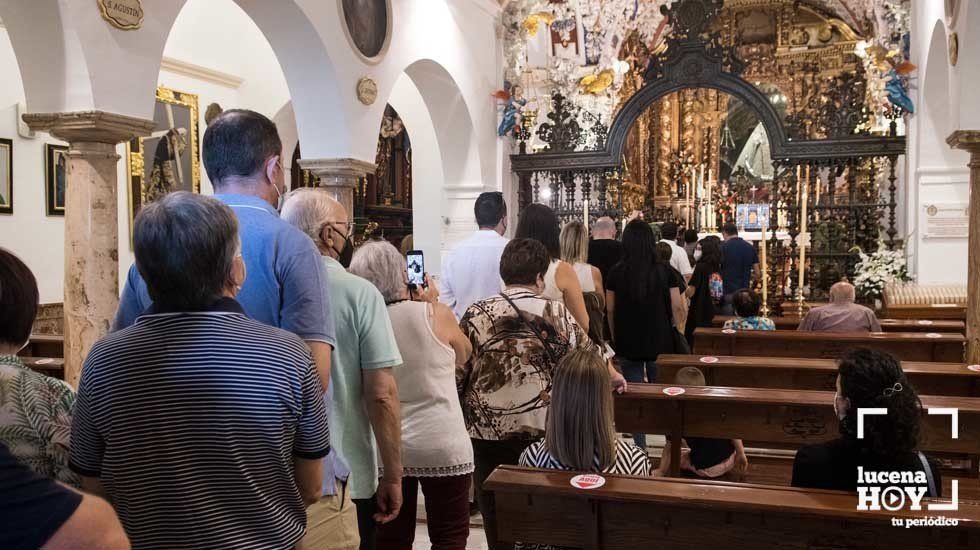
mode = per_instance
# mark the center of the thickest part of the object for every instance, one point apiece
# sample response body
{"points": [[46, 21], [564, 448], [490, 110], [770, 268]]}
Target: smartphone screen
{"points": [[416, 267]]}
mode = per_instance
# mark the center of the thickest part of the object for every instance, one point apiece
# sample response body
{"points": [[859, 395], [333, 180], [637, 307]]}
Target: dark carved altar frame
{"points": [[694, 59]]}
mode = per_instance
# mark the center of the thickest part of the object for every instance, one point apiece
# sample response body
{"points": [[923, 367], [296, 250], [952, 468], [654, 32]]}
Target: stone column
{"points": [[339, 177], [969, 140], [91, 225]]}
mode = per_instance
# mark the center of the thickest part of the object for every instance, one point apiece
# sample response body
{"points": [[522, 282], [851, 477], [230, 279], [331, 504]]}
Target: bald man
{"points": [[842, 314], [604, 250]]}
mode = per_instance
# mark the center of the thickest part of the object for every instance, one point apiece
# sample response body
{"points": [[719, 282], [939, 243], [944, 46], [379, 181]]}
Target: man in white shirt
{"points": [[678, 259], [471, 271]]}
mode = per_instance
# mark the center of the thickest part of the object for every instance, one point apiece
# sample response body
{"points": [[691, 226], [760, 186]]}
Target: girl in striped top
{"points": [[579, 431]]}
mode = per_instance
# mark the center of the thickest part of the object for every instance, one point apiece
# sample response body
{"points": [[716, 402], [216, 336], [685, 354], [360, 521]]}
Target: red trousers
{"points": [[447, 512]]}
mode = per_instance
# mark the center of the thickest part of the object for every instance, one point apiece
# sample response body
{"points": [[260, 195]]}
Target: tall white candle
{"points": [[764, 267], [585, 213]]}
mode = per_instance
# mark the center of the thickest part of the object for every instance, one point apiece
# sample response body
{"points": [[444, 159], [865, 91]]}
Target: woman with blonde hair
{"points": [[579, 430], [574, 243]]}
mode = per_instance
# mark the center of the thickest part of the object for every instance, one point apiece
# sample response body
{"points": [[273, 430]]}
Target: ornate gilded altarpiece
{"points": [[784, 70]]}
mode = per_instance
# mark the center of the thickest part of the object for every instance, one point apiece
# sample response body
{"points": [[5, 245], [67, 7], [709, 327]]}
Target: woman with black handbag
{"points": [[642, 301]]}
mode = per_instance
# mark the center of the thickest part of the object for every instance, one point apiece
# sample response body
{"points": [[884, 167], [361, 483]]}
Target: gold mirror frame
{"points": [[136, 153]]}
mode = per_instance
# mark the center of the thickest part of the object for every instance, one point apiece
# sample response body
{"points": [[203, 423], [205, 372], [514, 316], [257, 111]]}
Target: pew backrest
{"points": [[50, 366], [907, 346], [776, 418], [951, 379], [789, 322], [541, 506]]}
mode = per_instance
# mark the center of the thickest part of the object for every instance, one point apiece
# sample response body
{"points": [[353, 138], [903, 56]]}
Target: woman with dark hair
{"points": [[540, 223], [705, 289], [642, 300], [35, 410], [868, 379]]}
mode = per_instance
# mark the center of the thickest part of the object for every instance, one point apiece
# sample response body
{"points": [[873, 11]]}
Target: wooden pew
{"points": [[907, 346], [631, 513], [950, 379], [956, 312], [887, 325], [44, 345], [774, 418], [49, 366]]}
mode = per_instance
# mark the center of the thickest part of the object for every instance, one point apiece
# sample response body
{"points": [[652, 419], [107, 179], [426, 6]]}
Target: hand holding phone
{"points": [[415, 266]]}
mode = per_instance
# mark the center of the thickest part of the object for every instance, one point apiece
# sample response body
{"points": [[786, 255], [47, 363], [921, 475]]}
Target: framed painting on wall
{"points": [[55, 178], [6, 176], [168, 159]]}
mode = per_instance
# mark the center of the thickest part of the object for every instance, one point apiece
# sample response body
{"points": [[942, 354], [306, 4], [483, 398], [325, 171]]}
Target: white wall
{"points": [[937, 174], [236, 47], [37, 239]]}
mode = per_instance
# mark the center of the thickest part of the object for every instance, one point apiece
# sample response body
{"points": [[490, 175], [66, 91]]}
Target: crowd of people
{"points": [[266, 385]]}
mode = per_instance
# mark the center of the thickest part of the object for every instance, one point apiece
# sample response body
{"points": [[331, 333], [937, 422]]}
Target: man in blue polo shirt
{"points": [[739, 264], [286, 283]]}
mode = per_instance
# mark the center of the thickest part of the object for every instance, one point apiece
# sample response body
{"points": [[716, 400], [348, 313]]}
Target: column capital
{"points": [[348, 167], [90, 126], [968, 140]]}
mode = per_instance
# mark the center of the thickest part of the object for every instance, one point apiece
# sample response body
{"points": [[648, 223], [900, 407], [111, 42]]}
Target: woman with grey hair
{"points": [[436, 451], [208, 427]]}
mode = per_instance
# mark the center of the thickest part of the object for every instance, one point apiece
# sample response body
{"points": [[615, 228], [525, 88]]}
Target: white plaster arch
{"points": [[968, 66], [935, 120], [124, 66], [53, 71]]}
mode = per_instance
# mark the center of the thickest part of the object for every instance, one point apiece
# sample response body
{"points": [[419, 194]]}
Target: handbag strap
{"points": [[527, 324], [931, 481]]}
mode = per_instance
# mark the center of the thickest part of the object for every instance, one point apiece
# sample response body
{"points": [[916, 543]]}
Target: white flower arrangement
{"points": [[879, 269]]}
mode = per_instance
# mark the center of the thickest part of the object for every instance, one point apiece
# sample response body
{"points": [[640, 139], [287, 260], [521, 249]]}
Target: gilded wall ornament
{"points": [[125, 15], [367, 90]]}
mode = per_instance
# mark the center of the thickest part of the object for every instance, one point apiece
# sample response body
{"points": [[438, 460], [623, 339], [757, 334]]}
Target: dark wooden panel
{"points": [[44, 345], [791, 322], [952, 379], [931, 311], [907, 346], [631, 513], [50, 366], [775, 417]]}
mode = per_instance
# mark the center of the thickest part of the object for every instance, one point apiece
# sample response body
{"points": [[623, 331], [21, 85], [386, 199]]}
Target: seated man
{"points": [[842, 314]]}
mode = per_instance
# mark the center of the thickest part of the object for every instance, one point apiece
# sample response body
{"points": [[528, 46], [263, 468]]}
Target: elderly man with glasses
{"points": [[363, 396]]}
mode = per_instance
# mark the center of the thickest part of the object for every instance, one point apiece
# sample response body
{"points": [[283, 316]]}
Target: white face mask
{"points": [[840, 410], [280, 201], [697, 254]]}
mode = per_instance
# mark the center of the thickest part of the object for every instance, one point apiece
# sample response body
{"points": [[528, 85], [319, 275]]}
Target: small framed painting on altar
{"points": [[752, 217], [55, 178]]}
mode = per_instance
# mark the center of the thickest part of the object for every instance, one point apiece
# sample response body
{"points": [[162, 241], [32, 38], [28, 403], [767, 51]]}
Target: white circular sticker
{"points": [[43, 361], [974, 368], [588, 481], [673, 390], [709, 359], [728, 331], [925, 322], [934, 335]]}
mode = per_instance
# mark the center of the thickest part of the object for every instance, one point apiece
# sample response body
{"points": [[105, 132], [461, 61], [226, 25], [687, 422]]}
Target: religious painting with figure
{"points": [[367, 22], [56, 178], [6, 176], [168, 159]]}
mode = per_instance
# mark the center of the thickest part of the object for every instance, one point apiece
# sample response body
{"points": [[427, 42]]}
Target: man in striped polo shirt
{"points": [[203, 427]]}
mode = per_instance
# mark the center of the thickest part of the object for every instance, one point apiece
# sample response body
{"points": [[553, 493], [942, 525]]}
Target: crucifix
{"points": [[753, 189]]}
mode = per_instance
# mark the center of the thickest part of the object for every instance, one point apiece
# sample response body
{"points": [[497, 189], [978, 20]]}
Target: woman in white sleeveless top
{"points": [[574, 242], [540, 223], [436, 449]]}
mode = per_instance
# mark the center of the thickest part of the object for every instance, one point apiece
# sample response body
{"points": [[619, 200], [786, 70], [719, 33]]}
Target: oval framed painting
{"points": [[368, 26]]}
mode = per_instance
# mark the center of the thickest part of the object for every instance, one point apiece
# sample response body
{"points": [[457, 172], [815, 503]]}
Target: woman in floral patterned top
{"points": [[747, 306], [35, 410], [518, 338]]}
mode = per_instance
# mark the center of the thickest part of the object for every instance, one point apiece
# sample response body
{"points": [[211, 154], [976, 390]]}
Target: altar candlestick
{"points": [[585, 214], [804, 192], [816, 199], [711, 208], [799, 183], [765, 275]]}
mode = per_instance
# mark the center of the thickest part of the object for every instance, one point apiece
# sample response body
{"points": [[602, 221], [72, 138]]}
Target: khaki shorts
{"points": [[331, 523]]}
